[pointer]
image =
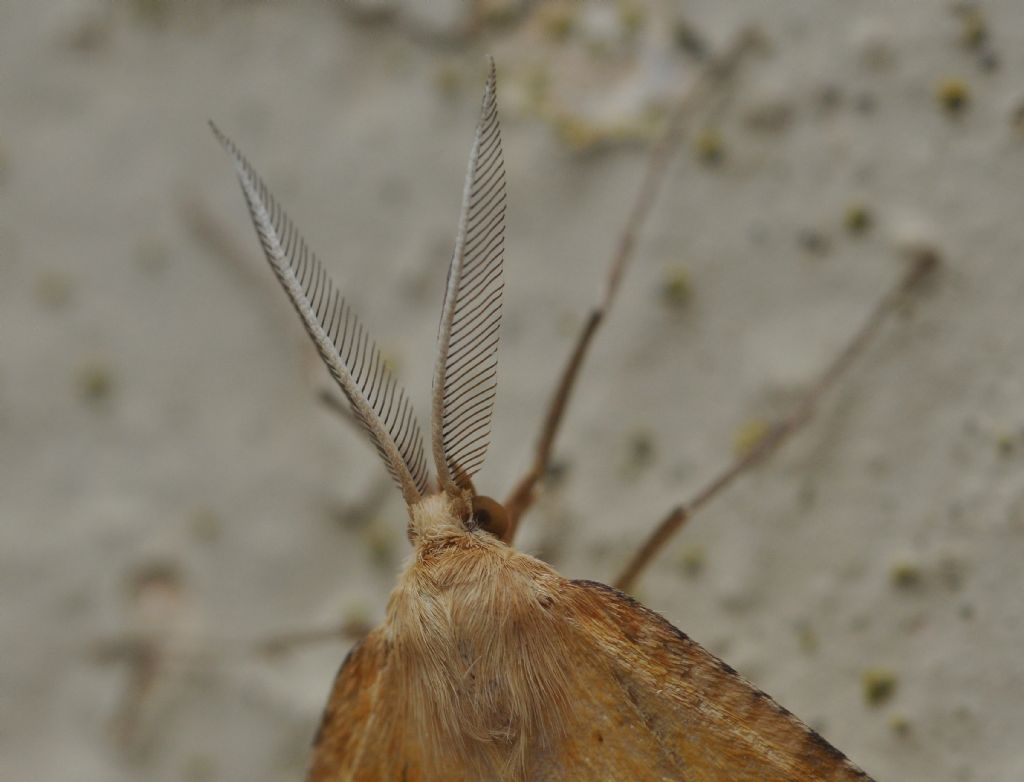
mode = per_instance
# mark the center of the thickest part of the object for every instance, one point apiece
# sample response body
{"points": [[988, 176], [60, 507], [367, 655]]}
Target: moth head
{"points": [[465, 379], [440, 514], [489, 515]]}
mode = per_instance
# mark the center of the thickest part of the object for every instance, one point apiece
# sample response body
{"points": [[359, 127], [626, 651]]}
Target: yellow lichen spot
{"points": [[1006, 444], [708, 147], [392, 360], [749, 436], [632, 16], [676, 287], [905, 575], [556, 21], [899, 725], [857, 218], [879, 686], [95, 382], [691, 561], [577, 133], [953, 95], [973, 29]]}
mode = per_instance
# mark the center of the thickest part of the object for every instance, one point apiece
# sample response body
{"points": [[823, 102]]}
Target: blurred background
{"points": [[174, 499]]}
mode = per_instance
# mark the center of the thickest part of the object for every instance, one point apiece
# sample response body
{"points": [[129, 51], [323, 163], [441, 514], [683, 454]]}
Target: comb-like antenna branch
{"points": [[378, 403], [465, 376]]}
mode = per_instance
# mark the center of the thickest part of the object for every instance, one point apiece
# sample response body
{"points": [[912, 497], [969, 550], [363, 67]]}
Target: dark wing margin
{"points": [[465, 375], [378, 402], [657, 705]]}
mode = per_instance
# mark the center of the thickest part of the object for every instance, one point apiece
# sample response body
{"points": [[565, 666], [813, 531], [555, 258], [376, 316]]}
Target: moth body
{"points": [[489, 665], [476, 654]]}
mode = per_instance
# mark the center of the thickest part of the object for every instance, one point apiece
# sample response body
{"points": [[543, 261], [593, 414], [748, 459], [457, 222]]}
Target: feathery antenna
{"points": [[378, 402], [465, 376]]}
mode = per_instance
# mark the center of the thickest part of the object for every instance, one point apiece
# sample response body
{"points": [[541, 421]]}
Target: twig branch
{"points": [[280, 643], [717, 73], [920, 268], [143, 653]]}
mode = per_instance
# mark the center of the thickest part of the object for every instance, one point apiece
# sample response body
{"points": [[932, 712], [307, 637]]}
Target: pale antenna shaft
{"points": [[352, 357], [465, 376]]}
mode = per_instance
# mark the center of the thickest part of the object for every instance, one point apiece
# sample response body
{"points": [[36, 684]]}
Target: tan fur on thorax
{"points": [[475, 648]]}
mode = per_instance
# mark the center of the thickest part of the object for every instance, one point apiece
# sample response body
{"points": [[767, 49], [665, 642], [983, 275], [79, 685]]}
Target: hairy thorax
{"points": [[477, 649]]}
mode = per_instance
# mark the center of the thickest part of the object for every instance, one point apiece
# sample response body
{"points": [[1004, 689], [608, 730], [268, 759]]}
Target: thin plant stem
{"points": [[718, 73], [920, 268]]}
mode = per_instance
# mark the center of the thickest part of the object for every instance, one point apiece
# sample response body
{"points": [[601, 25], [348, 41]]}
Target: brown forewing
{"points": [[657, 705], [651, 705], [357, 737]]}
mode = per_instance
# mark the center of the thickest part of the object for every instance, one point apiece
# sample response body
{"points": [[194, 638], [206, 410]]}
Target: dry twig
{"points": [[919, 269], [719, 72]]}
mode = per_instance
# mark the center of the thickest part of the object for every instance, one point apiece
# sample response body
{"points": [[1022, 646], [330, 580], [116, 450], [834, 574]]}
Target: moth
{"points": [[489, 664]]}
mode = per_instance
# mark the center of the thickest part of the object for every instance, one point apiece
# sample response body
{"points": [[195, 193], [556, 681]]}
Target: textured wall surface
{"points": [[167, 476]]}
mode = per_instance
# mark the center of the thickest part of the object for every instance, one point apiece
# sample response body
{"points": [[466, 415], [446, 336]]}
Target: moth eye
{"points": [[490, 516]]}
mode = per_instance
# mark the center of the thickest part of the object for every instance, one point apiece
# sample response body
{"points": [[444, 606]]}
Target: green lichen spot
{"points": [[857, 218], [708, 147], [953, 95], [749, 435], [676, 288], [879, 686], [905, 575], [691, 561], [95, 382]]}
